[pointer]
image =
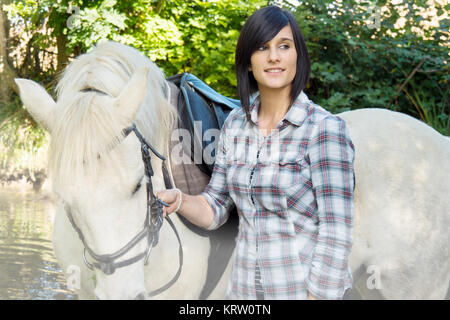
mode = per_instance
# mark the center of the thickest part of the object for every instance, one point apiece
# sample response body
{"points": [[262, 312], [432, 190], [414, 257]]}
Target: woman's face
{"points": [[274, 64]]}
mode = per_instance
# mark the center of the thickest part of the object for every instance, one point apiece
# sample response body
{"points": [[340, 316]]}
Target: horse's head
{"points": [[97, 171]]}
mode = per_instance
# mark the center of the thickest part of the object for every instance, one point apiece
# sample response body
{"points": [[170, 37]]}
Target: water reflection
{"points": [[28, 268]]}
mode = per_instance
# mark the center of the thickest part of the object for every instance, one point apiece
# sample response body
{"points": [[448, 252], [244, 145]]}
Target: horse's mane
{"points": [[86, 125]]}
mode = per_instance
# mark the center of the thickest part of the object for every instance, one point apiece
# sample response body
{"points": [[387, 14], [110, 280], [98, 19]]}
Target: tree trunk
{"points": [[7, 72], [63, 58]]}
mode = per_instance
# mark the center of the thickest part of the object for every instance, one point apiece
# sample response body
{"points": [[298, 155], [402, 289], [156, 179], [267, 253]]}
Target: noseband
{"points": [[152, 225]]}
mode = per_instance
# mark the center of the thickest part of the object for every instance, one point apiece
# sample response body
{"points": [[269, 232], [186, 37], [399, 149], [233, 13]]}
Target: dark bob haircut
{"points": [[262, 26]]}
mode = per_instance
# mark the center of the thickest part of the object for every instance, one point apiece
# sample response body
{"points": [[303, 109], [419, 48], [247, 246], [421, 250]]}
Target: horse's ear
{"points": [[132, 95], [37, 101]]}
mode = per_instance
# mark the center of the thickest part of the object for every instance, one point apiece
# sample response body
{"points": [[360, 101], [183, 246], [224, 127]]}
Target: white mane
{"points": [[86, 124]]}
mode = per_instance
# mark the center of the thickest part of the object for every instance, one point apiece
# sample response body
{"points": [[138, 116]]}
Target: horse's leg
{"points": [[68, 251]]}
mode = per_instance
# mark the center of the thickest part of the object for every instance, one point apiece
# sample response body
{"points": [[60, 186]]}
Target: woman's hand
{"points": [[195, 208], [171, 197]]}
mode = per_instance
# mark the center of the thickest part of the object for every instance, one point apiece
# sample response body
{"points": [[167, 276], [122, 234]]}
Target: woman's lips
{"points": [[274, 70]]}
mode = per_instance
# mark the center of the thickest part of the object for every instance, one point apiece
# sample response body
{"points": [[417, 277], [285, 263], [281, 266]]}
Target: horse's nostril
{"points": [[141, 296]]}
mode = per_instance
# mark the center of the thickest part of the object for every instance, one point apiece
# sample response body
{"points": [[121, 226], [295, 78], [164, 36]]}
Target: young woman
{"points": [[287, 164]]}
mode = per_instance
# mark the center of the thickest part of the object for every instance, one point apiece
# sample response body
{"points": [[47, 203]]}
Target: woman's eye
{"points": [[261, 48], [284, 46]]}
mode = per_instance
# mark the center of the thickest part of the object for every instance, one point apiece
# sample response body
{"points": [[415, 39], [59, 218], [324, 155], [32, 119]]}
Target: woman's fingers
{"points": [[169, 197]]}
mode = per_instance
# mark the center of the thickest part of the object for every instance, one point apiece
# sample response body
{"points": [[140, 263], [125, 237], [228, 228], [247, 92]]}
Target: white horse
{"points": [[401, 199]]}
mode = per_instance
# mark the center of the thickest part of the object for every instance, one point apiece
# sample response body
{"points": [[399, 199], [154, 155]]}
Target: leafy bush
{"points": [[357, 65]]}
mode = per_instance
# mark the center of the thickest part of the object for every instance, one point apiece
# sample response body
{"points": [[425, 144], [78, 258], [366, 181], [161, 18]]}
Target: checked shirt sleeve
{"points": [[216, 192], [331, 154]]}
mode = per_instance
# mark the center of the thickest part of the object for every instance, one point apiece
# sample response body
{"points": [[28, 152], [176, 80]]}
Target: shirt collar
{"points": [[295, 115]]}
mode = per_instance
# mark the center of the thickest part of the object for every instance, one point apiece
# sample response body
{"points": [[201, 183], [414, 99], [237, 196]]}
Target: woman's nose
{"points": [[274, 55]]}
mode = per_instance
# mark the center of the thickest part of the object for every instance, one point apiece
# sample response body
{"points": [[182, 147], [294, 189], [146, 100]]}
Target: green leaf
{"points": [[108, 4]]}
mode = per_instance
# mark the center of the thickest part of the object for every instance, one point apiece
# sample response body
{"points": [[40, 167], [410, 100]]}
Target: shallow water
{"points": [[28, 267]]}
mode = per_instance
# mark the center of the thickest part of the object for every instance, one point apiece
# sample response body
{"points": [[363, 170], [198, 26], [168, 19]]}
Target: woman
{"points": [[287, 164]]}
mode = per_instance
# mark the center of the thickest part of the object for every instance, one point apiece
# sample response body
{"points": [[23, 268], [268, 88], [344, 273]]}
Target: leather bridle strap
{"points": [[180, 258], [106, 262], [156, 205]]}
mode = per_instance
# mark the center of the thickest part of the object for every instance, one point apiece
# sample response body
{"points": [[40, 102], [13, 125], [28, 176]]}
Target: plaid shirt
{"points": [[293, 189]]}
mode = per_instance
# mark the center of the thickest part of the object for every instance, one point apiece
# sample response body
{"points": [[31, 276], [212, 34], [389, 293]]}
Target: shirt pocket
{"points": [[289, 168], [284, 182], [295, 187]]}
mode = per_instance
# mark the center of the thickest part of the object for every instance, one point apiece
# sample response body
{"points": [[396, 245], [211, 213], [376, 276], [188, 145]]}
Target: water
{"points": [[28, 267]]}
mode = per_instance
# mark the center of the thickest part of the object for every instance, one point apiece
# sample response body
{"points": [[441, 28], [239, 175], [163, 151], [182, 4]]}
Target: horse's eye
{"points": [[137, 188]]}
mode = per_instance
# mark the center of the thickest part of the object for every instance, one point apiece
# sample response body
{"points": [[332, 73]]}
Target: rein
{"points": [[152, 225]]}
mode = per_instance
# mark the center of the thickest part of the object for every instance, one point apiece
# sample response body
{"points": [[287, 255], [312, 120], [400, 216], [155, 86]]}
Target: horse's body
{"points": [[402, 205], [401, 199]]}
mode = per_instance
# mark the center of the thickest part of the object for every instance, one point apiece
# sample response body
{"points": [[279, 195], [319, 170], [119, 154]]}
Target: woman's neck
{"points": [[274, 104]]}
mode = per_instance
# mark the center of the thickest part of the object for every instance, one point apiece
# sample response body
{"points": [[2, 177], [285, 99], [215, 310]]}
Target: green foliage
{"points": [[179, 36], [354, 64], [357, 65]]}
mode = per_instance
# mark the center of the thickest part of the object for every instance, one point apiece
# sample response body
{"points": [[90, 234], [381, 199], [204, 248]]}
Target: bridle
{"points": [[153, 221]]}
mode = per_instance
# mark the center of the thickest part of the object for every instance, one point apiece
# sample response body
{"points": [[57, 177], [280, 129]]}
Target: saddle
{"points": [[200, 106], [197, 103]]}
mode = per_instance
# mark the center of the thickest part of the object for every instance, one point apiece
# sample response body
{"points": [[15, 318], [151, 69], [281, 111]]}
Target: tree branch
{"points": [[406, 81]]}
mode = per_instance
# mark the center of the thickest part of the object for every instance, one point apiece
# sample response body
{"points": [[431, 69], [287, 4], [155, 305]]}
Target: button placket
{"points": [[251, 174], [258, 278]]}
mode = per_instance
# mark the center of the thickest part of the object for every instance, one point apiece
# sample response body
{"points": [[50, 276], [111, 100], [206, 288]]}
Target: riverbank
{"points": [[22, 182]]}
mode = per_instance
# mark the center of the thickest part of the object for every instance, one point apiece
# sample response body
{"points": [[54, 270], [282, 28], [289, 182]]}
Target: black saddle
{"points": [[199, 103]]}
